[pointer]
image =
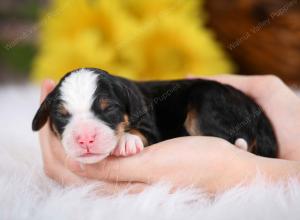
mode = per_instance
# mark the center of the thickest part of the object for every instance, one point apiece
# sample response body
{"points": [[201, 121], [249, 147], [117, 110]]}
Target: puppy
{"points": [[96, 115]]}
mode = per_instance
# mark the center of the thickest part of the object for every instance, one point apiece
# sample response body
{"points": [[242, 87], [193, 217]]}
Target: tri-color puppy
{"points": [[96, 115]]}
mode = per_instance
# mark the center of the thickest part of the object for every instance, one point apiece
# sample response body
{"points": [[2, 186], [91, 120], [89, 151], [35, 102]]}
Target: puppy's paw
{"points": [[129, 144], [241, 143]]}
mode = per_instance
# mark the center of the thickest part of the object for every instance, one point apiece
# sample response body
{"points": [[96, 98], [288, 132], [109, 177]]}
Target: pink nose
{"points": [[86, 141]]}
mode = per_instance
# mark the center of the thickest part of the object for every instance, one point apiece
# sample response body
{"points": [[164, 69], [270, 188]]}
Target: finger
{"points": [[114, 169], [54, 159], [52, 150], [141, 167], [47, 86], [51, 145], [46, 136], [63, 176]]}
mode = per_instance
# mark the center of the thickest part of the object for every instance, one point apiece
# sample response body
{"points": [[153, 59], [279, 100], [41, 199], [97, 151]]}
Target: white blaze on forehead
{"points": [[78, 90]]}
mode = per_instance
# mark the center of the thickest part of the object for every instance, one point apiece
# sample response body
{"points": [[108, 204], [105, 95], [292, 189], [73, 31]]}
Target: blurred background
{"points": [[143, 39]]}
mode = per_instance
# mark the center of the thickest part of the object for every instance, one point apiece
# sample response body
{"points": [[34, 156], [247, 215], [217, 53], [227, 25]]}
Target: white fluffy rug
{"points": [[26, 193]]}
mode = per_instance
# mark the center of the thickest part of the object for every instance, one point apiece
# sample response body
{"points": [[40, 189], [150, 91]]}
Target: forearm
{"points": [[278, 169], [208, 163], [246, 167]]}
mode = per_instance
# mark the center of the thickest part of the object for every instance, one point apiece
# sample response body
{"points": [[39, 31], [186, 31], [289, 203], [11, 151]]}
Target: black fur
{"points": [[158, 109], [222, 111]]}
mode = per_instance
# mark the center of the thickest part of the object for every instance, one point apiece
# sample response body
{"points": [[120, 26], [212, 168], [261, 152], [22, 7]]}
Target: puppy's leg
{"points": [[193, 128], [129, 144], [223, 114], [191, 123]]}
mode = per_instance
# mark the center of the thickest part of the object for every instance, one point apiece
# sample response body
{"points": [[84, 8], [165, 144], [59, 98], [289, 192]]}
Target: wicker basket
{"points": [[262, 36]]}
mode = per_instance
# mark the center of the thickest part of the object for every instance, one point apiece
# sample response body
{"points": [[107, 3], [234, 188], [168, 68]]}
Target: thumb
{"points": [[47, 86]]}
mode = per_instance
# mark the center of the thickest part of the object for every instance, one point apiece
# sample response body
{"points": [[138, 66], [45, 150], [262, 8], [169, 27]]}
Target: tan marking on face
{"points": [[123, 126], [62, 110], [138, 133], [103, 104], [191, 123]]}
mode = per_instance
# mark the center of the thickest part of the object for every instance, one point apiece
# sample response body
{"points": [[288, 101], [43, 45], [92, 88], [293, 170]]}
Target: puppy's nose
{"points": [[85, 140]]}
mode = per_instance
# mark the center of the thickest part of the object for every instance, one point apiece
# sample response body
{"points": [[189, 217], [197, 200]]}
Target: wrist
{"points": [[229, 166], [239, 169], [247, 166], [278, 169]]}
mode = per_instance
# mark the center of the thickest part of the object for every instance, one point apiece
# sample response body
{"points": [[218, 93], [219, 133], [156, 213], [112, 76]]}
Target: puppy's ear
{"points": [[127, 92], [135, 103], [42, 114]]}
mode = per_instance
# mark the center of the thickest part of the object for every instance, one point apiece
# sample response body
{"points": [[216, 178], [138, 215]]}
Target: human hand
{"points": [[212, 163], [53, 154], [209, 163]]}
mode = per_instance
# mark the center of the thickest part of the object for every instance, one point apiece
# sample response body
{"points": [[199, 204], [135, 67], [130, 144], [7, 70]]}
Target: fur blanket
{"points": [[26, 193]]}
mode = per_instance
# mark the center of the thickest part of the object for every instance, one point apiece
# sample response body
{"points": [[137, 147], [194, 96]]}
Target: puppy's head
{"points": [[88, 111]]}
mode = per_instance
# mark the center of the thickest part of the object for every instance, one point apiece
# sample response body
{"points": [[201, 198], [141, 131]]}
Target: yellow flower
{"points": [[143, 10], [170, 49], [79, 34], [139, 39]]}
